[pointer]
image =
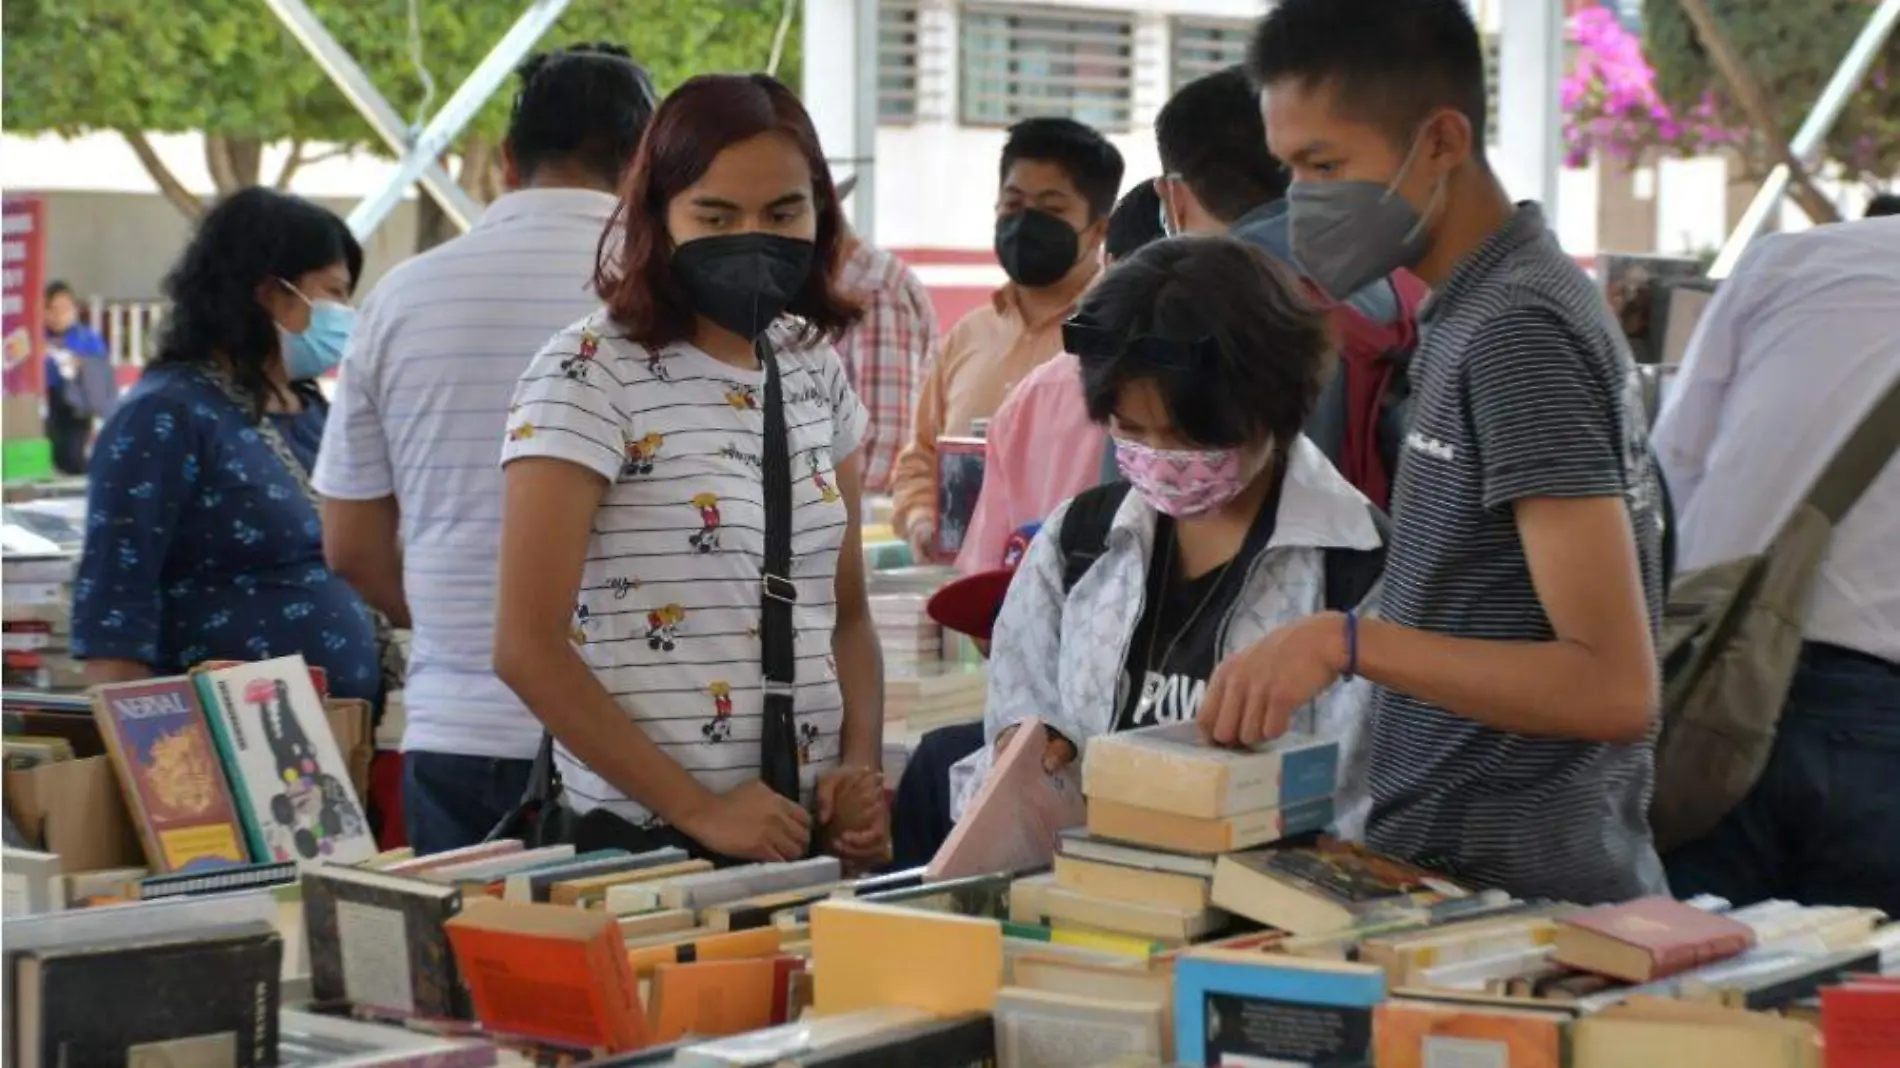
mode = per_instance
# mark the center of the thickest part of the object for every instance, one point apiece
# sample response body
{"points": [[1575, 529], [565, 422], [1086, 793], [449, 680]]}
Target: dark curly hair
{"points": [[1270, 347], [247, 239]]}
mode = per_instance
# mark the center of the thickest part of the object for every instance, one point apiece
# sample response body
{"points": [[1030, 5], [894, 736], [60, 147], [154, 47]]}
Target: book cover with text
{"points": [[174, 782]]}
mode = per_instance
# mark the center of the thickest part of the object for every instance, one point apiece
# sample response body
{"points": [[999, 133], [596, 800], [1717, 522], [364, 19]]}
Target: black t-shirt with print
{"points": [[1176, 645]]}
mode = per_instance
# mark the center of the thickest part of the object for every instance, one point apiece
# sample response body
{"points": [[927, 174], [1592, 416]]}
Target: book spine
{"points": [[214, 713]]}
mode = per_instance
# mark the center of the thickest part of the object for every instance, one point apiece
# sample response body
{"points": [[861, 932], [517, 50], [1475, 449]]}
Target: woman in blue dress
{"points": [[202, 539]]}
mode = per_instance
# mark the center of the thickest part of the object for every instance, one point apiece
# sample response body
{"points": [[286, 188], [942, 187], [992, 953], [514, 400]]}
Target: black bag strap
{"points": [[1084, 533], [1352, 573], [1860, 458], [778, 654]]}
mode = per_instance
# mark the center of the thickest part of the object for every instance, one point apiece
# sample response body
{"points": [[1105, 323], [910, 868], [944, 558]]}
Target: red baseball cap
{"points": [[971, 604]]}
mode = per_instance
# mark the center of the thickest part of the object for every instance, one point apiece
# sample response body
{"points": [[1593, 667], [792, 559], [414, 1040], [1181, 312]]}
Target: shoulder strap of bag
{"points": [[269, 432], [1084, 533], [1860, 458], [778, 656], [1352, 573]]}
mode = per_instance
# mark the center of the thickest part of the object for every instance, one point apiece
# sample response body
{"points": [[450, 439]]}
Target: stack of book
{"points": [[932, 678], [1163, 807], [37, 622]]}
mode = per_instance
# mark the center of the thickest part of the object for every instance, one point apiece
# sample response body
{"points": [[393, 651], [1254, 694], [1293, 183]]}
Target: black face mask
{"points": [[743, 281], [1035, 247]]}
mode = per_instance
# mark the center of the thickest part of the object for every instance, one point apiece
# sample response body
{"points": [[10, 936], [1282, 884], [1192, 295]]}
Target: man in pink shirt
{"points": [[1023, 483]]}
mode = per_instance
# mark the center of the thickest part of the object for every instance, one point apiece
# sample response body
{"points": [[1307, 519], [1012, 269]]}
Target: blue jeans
{"points": [[1822, 827], [451, 801]]}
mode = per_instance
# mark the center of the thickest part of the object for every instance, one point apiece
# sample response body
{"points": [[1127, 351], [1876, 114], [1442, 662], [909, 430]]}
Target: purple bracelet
{"points": [[1352, 644]]}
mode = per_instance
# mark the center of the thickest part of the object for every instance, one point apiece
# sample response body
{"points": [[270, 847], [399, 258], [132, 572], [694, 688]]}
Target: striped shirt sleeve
{"points": [[1544, 423], [564, 408], [354, 463]]}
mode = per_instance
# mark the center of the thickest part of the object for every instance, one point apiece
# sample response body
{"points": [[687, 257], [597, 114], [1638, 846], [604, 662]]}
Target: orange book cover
{"points": [[549, 972], [738, 945], [1421, 1034], [712, 998], [1648, 939]]}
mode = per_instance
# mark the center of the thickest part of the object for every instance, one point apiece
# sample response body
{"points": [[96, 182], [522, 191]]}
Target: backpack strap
{"points": [[1352, 573], [1084, 533], [1860, 458]]}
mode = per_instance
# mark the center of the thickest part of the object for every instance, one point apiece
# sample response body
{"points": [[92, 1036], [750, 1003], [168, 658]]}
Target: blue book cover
{"points": [[1231, 1005]]}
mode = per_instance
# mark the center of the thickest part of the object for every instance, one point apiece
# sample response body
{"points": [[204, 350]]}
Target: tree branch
{"points": [[292, 163], [218, 162], [1754, 103], [168, 184]]}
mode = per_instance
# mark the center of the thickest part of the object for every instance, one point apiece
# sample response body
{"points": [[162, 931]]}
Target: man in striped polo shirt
{"points": [[1515, 660], [409, 467]]}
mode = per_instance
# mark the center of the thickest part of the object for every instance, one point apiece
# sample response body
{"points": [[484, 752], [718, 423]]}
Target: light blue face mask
{"points": [[320, 347]]}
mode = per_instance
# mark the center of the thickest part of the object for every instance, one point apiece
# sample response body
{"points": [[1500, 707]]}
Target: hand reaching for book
{"points": [[1058, 752], [854, 822], [752, 822]]}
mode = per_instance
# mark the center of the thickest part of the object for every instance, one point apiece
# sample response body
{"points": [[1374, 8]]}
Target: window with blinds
{"points": [[1203, 46], [897, 62], [1020, 61]]}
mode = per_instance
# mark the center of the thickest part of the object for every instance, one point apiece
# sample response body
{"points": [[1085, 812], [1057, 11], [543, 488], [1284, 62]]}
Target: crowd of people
{"points": [[1316, 431]]}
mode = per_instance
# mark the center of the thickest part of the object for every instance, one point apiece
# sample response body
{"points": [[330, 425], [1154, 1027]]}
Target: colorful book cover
{"points": [[173, 780], [290, 780]]}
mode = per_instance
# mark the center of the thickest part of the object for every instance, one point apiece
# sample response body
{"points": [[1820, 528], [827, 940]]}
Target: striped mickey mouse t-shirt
{"points": [[1522, 387], [668, 612]]}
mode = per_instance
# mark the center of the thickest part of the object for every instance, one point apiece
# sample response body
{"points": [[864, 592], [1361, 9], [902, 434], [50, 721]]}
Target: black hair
{"points": [[1884, 204], [1265, 347], [59, 287], [588, 104], [1135, 221], [1210, 134], [1094, 165], [246, 240], [1389, 62]]}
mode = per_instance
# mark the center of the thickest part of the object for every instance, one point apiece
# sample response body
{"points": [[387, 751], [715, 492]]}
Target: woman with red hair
{"points": [[636, 466]]}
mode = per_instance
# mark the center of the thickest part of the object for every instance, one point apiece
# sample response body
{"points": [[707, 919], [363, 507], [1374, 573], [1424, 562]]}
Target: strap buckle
{"points": [[774, 688], [778, 588]]}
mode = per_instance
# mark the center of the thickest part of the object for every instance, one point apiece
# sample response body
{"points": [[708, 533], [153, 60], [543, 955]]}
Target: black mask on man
{"points": [[743, 281], [1035, 247]]}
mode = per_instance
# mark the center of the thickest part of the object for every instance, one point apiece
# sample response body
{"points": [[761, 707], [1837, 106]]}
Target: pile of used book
{"points": [[1181, 924], [932, 677]]}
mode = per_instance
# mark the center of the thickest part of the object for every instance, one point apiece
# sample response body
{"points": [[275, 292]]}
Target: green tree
{"points": [[228, 69], [1766, 66]]}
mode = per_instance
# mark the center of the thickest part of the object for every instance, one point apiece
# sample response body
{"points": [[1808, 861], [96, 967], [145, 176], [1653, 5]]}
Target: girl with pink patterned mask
{"points": [[1202, 357]]}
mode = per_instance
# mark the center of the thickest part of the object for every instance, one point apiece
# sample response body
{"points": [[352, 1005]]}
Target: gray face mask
{"points": [[1347, 235]]}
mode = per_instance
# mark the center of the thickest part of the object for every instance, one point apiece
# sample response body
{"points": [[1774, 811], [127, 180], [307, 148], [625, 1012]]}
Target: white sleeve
{"points": [[1026, 644], [850, 422], [1686, 428], [566, 407]]}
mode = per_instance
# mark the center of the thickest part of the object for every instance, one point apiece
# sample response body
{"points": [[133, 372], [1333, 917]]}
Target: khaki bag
{"points": [[1731, 637]]}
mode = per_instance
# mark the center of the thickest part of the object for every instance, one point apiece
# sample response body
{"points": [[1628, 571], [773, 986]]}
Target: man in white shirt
{"points": [[1796, 347], [409, 469]]}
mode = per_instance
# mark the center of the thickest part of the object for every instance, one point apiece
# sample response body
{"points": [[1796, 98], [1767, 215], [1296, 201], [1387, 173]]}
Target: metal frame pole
{"points": [[456, 113], [1806, 143], [864, 121]]}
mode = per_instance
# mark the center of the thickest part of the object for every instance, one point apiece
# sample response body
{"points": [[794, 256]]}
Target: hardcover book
{"points": [[1648, 939], [377, 940], [174, 783], [291, 784], [115, 1003]]}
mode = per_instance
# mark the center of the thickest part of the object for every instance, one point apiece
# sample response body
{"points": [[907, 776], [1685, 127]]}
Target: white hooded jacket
{"points": [[1062, 658]]}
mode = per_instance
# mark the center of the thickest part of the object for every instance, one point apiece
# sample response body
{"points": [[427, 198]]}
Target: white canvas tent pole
{"points": [[1807, 141], [456, 113]]}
